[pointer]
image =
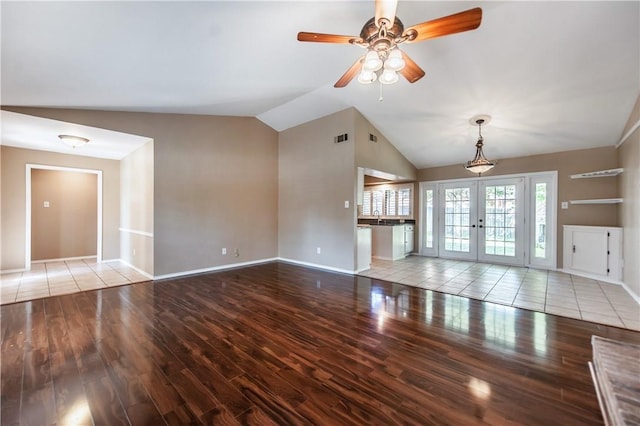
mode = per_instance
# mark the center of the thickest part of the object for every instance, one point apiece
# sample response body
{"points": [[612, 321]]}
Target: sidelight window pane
{"points": [[540, 220]]}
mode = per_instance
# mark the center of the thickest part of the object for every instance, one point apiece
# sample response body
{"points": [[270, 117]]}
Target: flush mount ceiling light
{"points": [[479, 164], [73, 141]]}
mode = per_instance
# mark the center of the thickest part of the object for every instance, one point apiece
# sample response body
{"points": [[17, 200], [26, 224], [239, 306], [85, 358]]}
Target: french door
{"points": [[482, 220]]}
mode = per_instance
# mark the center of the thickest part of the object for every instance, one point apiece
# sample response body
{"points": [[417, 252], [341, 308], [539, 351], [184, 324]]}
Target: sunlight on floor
{"points": [[534, 289]]}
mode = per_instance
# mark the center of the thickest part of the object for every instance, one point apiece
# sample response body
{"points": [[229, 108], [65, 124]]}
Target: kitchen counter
{"points": [[387, 241]]}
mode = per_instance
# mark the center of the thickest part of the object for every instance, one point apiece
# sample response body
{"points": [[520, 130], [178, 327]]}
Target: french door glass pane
{"points": [[540, 220], [456, 216], [500, 220]]}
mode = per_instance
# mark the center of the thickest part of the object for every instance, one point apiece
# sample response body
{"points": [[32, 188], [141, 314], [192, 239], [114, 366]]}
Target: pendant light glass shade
{"points": [[394, 62], [372, 61], [367, 77], [388, 77]]}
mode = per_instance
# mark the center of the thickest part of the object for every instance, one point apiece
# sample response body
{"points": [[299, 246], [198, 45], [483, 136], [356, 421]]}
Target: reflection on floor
{"points": [[537, 290], [64, 277]]}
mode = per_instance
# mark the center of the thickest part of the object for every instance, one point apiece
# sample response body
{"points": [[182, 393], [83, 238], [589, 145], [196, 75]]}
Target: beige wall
{"points": [[629, 159], [215, 184], [565, 163], [136, 208], [13, 203], [316, 176], [68, 225], [381, 155]]}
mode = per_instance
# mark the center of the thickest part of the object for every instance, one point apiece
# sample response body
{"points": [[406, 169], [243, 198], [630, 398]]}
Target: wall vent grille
{"points": [[341, 138]]}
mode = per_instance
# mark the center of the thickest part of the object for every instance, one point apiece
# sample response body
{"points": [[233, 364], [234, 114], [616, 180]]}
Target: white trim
{"points": [[552, 174], [213, 269], [12, 271], [591, 276], [316, 266], [135, 268], [64, 259], [137, 232], [631, 293], [28, 169], [629, 133]]}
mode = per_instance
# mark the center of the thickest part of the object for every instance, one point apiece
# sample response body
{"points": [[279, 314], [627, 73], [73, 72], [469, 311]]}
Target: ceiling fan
{"points": [[381, 36]]}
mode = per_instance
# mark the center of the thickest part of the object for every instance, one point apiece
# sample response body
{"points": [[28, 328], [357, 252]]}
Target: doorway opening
{"points": [[59, 232], [503, 219]]}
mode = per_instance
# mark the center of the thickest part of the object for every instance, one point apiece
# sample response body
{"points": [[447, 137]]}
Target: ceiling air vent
{"points": [[373, 138], [340, 138]]}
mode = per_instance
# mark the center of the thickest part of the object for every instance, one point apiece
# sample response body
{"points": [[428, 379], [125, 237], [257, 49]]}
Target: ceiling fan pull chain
{"points": [[380, 98]]}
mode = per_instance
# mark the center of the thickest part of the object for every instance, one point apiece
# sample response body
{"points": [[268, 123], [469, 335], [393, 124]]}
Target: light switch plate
{"points": [[346, 204], [46, 204], [564, 205]]}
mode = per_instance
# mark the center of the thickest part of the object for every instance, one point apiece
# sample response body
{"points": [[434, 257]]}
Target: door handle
{"points": [[574, 248]]}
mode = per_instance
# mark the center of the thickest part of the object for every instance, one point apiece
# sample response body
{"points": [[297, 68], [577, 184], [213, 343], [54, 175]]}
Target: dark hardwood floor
{"points": [[281, 344]]}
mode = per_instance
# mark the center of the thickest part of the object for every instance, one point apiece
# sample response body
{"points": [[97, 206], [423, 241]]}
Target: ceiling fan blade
{"points": [[350, 74], [386, 9], [325, 38], [411, 71], [456, 23]]}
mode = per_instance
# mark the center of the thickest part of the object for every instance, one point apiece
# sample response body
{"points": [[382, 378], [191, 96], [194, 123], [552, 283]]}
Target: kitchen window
{"points": [[388, 201]]}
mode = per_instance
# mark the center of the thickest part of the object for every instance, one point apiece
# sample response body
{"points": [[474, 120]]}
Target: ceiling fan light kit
{"points": [[480, 164], [381, 36]]}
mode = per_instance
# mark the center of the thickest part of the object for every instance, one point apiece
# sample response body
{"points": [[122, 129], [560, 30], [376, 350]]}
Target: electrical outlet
{"points": [[236, 252], [46, 204], [318, 250], [346, 204], [224, 251], [564, 205]]}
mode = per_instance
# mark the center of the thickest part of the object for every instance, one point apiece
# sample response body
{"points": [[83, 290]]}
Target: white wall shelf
{"points": [[598, 201], [599, 173]]}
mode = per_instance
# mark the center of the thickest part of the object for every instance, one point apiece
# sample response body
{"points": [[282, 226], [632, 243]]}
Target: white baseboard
{"points": [[212, 269], [631, 293], [13, 271], [64, 259], [591, 276], [135, 268], [316, 266]]}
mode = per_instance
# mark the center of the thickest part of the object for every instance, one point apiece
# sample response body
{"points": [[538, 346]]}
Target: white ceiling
{"points": [[554, 76]]}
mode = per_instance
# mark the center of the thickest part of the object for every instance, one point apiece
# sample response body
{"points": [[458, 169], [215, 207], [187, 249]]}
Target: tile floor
{"points": [[64, 277], [534, 289]]}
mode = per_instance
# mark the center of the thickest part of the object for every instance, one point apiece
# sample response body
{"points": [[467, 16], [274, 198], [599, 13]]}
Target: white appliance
{"points": [[408, 239]]}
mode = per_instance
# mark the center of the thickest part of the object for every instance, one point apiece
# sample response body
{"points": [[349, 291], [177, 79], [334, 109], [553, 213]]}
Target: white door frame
{"points": [[530, 179], [29, 168]]}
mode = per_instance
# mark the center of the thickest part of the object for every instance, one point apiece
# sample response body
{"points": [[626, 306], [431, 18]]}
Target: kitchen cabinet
{"points": [[593, 251], [388, 242], [364, 248]]}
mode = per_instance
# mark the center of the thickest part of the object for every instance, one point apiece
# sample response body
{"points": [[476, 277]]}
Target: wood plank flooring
{"points": [[282, 344]]}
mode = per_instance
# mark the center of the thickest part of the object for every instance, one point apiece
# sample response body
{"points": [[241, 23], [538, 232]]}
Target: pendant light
{"points": [[479, 164]]}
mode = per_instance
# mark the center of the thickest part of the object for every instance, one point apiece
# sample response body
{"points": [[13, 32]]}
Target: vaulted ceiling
{"points": [[553, 76]]}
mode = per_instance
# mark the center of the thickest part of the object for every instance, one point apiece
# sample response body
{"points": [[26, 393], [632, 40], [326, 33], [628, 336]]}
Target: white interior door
{"points": [[458, 236]]}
